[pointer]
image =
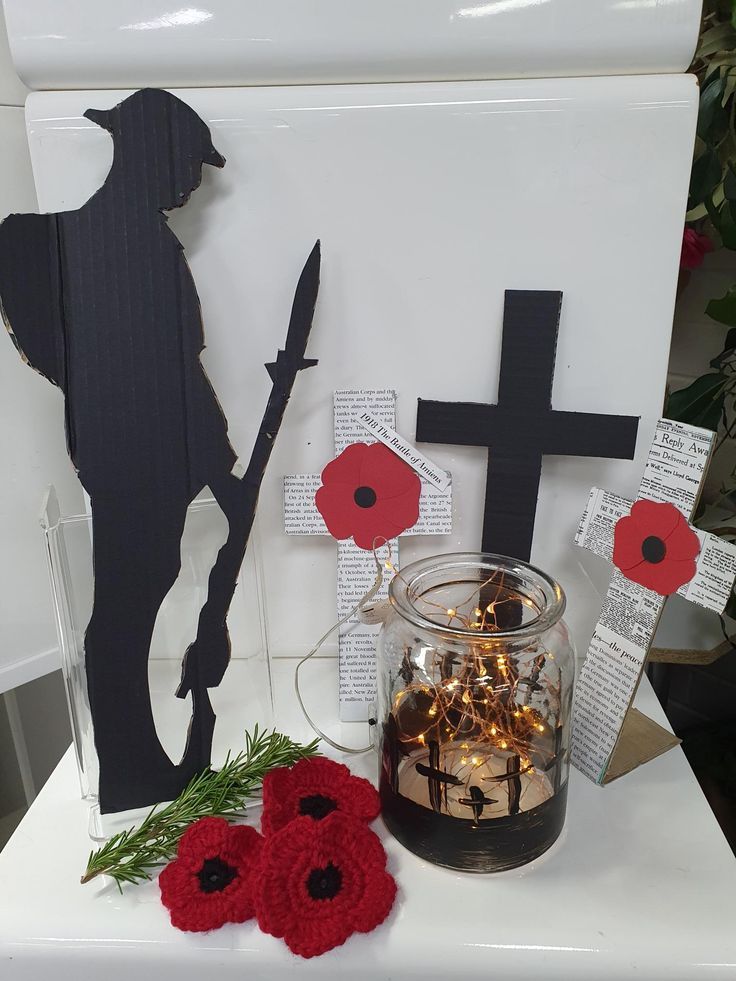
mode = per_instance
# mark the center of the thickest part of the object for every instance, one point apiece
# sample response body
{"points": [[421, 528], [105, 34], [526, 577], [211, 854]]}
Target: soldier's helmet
{"points": [[160, 146]]}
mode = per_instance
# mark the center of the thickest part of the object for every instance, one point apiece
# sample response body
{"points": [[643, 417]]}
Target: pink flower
{"points": [[694, 249]]}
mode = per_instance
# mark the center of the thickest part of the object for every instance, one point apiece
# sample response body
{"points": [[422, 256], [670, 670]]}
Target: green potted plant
{"points": [[710, 223]]}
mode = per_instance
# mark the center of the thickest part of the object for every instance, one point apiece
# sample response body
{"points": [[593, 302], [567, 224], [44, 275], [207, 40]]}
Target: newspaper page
{"points": [[356, 568], [678, 460], [595, 531], [674, 473], [418, 461], [356, 572], [716, 570]]}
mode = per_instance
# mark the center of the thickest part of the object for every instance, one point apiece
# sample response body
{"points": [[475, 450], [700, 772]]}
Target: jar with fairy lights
{"points": [[475, 680]]}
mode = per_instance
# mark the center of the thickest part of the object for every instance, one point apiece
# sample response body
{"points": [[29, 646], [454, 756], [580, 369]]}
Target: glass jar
{"points": [[475, 680]]}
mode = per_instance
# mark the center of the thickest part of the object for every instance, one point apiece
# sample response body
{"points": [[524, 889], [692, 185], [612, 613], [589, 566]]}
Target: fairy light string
{"points": [[475, 698], [362, 604], [480, 702]]}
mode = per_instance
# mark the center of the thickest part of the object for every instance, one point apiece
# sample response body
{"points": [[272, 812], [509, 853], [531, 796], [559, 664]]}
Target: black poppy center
{"points": [[324, 883], [317, 806], [364, 497], [215, 875], [653, 549]]}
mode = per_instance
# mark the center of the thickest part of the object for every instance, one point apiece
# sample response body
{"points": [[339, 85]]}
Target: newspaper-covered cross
{"points": [[610, 737], [355, 566]]}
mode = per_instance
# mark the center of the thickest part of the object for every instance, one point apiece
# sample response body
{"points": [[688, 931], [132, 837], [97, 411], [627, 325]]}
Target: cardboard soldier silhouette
{"points": [[101, 301]]}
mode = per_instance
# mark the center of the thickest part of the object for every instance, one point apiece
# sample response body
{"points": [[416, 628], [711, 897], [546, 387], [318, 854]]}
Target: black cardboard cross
{"points": [[523, 427]]}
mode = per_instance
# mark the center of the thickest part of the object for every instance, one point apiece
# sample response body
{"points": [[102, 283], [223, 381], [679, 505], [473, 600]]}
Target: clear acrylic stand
{"points": [[243, 699]]}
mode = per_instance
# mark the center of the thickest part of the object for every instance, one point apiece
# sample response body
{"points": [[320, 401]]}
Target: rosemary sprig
{"points": [[130, 855]]}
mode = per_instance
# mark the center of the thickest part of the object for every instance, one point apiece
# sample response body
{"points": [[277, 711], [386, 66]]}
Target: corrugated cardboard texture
{"points": [[102, 302], [523, 426], [640, 741]]}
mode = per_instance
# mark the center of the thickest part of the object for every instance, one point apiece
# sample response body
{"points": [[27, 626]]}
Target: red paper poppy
{"points": [[655, 547], [315, 788], [368, 493], [210, 882], [321, 881]]}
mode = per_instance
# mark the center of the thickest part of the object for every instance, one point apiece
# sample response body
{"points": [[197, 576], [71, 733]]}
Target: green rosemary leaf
{"points": [[130, 855]]}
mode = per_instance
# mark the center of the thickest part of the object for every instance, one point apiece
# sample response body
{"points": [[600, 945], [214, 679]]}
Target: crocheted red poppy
{"points": [[315, 787], [655, 547], [322, 881], [368, 493], [210, 881]]}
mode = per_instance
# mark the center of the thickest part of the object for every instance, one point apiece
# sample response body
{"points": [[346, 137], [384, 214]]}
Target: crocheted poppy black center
{"points": [[653, 549], [324, 883], [215, 875], [317, 806], [364, 497]]}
